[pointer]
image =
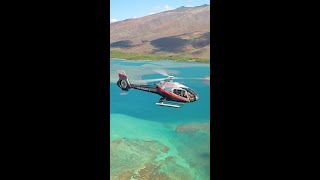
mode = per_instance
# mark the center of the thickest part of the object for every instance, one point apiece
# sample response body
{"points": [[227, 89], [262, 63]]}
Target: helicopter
{"points": [[173, 94]]}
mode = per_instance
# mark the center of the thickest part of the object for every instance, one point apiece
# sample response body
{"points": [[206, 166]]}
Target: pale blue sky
{"points": [[125, 9]]}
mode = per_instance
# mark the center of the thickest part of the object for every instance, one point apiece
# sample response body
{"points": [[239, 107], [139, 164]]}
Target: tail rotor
{"points": [[123, 81]]}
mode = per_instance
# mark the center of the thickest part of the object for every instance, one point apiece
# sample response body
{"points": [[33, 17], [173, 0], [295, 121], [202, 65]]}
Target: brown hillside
{"points": [[183, 31]]}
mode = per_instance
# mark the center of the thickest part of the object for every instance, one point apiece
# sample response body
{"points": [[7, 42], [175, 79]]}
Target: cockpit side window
{"points": [[180, 92]]}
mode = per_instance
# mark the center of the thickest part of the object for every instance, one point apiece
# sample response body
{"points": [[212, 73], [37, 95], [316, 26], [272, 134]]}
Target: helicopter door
{"points": [[180, 92]]}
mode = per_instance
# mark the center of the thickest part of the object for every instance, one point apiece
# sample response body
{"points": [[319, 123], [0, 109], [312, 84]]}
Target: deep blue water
{"points": [[142, 104]]}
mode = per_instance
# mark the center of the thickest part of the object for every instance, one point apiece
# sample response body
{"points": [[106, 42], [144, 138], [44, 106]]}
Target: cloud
{"points": [[158, 9], [167, 8], [113, 20], [151, 13]]}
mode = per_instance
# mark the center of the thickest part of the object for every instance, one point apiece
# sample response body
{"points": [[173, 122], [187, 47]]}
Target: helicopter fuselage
{"points": [[167, 89], [170, 91]]}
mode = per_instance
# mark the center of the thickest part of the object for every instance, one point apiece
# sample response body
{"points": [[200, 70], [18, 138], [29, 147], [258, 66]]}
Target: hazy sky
{"points": [[125, 9]]}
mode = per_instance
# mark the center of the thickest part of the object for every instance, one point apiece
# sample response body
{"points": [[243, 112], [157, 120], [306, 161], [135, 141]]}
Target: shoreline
{"points": [[151, 57], [177, 61], [191, 61]]}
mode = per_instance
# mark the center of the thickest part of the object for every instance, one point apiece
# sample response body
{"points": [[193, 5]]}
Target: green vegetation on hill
{"points": [[134, 56]]}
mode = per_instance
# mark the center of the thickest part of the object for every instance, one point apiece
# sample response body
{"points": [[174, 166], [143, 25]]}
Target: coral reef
{"points": [[135, 159], [193, 127]]}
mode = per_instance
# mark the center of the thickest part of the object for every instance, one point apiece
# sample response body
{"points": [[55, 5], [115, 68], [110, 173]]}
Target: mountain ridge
{"points": [[183, 32]]}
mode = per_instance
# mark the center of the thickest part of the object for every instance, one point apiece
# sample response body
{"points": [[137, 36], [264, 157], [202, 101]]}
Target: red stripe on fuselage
{"points": [[173, 95]]}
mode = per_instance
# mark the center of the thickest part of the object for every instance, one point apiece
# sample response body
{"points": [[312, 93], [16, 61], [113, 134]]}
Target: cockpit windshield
{"points": [[186, 93], [192, 95]]}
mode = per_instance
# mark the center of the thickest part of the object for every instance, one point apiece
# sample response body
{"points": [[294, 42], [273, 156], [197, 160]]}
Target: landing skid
{"points": [[169, 105], [123, 93]]}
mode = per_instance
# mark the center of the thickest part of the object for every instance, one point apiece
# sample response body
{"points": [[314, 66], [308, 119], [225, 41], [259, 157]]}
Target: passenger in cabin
{"points": [[175, 91], [180, 93]]}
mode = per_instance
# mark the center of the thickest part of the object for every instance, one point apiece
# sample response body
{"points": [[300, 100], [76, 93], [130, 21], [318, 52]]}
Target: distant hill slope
{"points": [[183, 32]]}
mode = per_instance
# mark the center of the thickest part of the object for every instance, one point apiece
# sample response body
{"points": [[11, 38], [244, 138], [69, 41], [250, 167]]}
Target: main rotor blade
{"points": [[161, 71], [201, 79], [150, 80], [205, 80]]}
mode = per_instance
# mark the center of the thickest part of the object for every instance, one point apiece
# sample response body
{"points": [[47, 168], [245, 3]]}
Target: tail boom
{"points": [[125, 84]]}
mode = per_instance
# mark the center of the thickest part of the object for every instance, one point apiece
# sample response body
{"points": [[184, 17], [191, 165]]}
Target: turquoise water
{"points": [[136, 117]]}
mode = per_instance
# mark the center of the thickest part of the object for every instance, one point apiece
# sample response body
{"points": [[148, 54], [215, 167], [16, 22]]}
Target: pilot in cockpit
{"points": [[186, 94]]}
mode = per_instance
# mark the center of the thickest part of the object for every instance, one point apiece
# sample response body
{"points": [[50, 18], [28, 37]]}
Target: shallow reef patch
{"points": [[193, 127], [135, 159]]}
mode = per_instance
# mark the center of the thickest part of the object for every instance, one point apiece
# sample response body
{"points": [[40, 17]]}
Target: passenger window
{"points": [[180, 92], [175, 91]]}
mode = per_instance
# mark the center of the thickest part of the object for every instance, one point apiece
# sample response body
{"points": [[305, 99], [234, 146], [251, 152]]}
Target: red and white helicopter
{"points": [[173, 94]]}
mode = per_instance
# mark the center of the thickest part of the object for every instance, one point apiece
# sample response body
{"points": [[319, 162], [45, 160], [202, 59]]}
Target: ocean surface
{"points": [[154, 142]]}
